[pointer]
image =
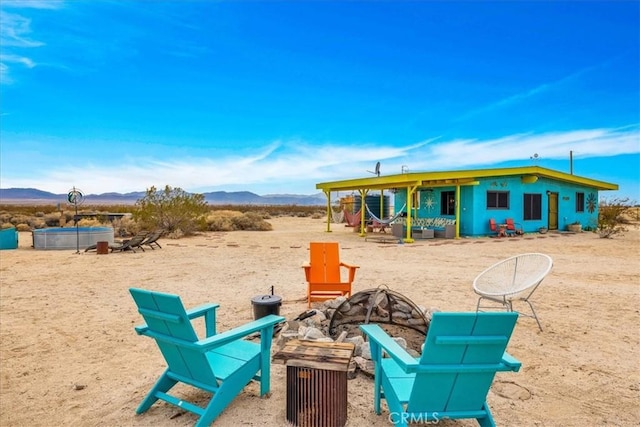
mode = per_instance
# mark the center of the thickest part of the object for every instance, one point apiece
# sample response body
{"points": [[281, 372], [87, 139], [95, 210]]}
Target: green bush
{"points": [[171, 210]]}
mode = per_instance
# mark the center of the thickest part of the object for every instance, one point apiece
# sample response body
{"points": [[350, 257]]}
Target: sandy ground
{"points": [[69, 354]]}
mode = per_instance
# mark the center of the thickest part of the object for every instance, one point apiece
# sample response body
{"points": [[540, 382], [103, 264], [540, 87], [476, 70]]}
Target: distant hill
{"points": [[35, 196]]}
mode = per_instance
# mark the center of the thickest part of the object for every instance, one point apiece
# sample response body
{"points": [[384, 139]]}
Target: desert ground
{"points": [[69, 354]]}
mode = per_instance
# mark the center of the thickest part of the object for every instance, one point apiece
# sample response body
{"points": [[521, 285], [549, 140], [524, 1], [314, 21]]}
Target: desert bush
{"points": [[6, 225], [171, 209], [20, 219], [175, 234], [35, 223], [126, 226], [5, 217], [250, 221], [23, 227], [610, 217], [229, 220], [631, 215], [221, 220], [270, 211], [91, 222], [52, 219]]}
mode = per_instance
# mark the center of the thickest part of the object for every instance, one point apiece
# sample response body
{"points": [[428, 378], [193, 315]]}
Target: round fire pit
{"points": [[394, 312]]}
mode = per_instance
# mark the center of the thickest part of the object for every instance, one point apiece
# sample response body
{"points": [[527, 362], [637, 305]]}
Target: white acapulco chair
{"points": [[514, 278]]}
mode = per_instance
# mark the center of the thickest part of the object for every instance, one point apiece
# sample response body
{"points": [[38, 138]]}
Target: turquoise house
{"points": [[534, 197]]}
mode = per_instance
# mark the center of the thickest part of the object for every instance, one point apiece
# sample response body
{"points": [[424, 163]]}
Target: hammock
{"points": [[337, 217], [352, 219], [386, 221]]}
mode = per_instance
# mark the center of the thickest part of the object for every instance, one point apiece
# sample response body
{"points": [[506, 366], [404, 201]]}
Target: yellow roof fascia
{"points": [[452, 178]]}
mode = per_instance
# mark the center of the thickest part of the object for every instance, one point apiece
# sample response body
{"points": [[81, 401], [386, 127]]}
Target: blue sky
{"points": [[274, 97]]}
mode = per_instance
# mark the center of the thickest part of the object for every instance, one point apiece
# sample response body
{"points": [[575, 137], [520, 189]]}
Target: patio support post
{"points": [[363, 198], [410, 191], [328, 194], [457, 236]]}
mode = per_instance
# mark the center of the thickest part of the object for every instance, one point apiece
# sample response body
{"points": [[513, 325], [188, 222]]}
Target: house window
{"points": [[497, 200], [579, 202], [448, 203], [532, 206]]}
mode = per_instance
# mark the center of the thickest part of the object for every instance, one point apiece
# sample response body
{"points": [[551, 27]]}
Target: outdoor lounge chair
{"points": [[131, 244], [514, 278], [513, 228], [152, 239], [452, 377], [323, 273], [221, 364]]}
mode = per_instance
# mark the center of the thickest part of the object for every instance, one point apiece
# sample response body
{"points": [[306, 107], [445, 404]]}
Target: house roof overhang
{"points": [[462, 177]]}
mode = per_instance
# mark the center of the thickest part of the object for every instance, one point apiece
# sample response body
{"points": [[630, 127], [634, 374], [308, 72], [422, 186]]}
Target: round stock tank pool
{"points": [[71, 238]]}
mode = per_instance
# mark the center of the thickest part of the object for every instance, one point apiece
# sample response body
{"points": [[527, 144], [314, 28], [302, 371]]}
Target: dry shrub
{"points": [[5, 217], [6, 225], [630, 216], [23, 227], [610, 217], [250, 221], [126, 226], [227, 220], [35, 223], [20, 219], [221, 220], [52, 219], [90, 222], [264, 214], [175, 234]]}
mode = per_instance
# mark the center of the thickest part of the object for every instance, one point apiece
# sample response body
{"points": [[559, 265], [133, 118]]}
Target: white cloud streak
{"points": [[538, 90], [296, 166], [33, 4], [15, 36]]}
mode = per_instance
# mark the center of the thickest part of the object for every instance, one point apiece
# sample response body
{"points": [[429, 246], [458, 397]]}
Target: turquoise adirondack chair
{"points": [[451, 379], [221, 364]]}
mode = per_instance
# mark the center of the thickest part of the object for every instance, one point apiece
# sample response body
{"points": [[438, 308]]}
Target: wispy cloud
{"points": [[33, 4], [16, 36], [522, 96], [515, 148], [300, 164]]}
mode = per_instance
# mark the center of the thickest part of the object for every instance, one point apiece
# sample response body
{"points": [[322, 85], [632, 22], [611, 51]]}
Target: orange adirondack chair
{"points": [[513, 228], [324, 273]]}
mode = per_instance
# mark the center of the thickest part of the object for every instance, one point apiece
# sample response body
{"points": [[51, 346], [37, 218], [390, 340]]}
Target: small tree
{"points": [[610, 218], [173, 210]]}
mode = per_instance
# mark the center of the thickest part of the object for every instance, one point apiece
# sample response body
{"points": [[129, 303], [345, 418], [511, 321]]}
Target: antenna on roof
{"points": [[377, 170], [535, 158]]}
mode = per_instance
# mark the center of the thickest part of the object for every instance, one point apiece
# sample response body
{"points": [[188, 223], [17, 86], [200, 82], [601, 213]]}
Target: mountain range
{"points": [[32, 195]]}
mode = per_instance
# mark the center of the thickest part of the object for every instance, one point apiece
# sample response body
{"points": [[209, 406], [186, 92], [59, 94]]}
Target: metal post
{"points": [[571, 162]]}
